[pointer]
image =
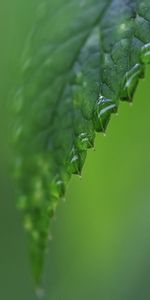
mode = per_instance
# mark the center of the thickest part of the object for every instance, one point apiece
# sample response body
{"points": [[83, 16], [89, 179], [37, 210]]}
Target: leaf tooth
{"points": [[77, 159], [130, 82], [58, 187], [102, 113], [145, 54], [85, 140]]}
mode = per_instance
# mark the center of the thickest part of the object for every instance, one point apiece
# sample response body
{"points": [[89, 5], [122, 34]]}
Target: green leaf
{"points": [[82, 57]]}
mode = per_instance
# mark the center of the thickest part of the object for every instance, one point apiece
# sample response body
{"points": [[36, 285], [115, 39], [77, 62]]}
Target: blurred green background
{"points": [[101, 236]]}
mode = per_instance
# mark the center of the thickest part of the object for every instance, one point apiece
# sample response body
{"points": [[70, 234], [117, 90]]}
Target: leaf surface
{"points": [[81, 59]]}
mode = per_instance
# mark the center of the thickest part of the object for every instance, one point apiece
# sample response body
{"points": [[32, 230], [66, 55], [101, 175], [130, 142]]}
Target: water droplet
{"points": [[145, 54], [104, 108], [77, 160], [61, 187], [130, 82], [74, 158], [74, 161], [85, 140], [57, 187]]}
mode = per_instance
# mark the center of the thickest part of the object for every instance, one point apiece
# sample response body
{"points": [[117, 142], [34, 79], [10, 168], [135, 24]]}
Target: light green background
{"points": [[101, 237]]}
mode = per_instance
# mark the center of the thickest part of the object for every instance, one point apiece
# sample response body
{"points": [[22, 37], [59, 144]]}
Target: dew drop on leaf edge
{"points": [[102, 113], [145, 54]]}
